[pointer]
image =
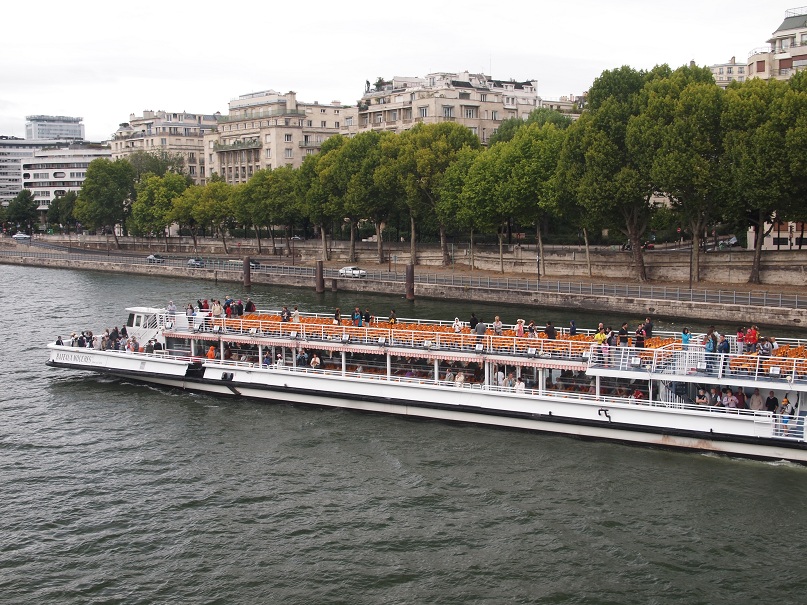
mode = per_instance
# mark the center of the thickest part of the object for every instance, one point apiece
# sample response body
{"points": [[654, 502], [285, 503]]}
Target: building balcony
{"points": [[262, 113], [315, 144], [246, 144]]}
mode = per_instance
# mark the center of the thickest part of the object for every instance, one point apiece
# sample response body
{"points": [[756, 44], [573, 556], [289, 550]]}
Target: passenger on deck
{"points": [[473, 321], [623, 335], [519, 328], [279, 363], [337, 317], [249, 307], [457, 325], [449, 375], [211, 352], [189, 310], [356, 317], [59, 341], [640, 337], [392, 318], [497, 326], [740, 340], [171, 308], [755, 401], [295, 315], [480, 329], [702, 398], [772, 402], [572, 328], [648, 328], [550, 332], [460, 379], [519, 385], [285, 314], [685, 337], [315, 363], [367, 317], [510, 381], [216, 310]]}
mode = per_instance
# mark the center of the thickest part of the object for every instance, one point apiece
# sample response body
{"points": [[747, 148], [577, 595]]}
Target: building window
{"points": [[267, 138], [322, 110], [483, 97], [349, 121], [448, 111], [470, 113], [163, 142], [494, 115], [423, 112], [336, 124], [729, 70], [309, 123], [336, 111], [323, 124], [475, 130], [268, 153], [378, 118], [287, 138], [289, 154], [310, 151]]}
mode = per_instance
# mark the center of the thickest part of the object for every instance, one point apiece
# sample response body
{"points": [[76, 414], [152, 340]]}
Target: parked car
{"points": [[352, 272], [21, 236], [296, 238], [155, 259], [196, 263]]}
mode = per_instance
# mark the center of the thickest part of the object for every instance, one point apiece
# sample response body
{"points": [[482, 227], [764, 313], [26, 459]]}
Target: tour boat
{"points": [[567, 385]]}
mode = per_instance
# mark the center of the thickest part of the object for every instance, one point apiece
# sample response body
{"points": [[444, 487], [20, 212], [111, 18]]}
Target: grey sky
{"points": [[105, 60]]}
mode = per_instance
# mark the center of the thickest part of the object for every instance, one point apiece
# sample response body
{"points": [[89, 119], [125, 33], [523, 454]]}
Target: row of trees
{"points": [[720, 156]]}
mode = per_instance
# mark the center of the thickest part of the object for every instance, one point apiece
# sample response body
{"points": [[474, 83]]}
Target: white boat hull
{"points": [[664, 426]]}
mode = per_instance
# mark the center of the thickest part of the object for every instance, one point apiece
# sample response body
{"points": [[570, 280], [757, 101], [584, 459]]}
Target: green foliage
{"points": [[156, 162], [60, 211], [540, 116], [104, 197], [151, 211], [22, 211]]}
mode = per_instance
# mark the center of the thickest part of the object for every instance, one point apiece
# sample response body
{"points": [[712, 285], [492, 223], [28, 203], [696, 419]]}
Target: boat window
{"points": [[137, 320], [130, 321]]}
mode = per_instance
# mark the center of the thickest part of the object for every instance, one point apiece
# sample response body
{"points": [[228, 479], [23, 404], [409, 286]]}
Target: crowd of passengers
{"points": [[111, 340]]}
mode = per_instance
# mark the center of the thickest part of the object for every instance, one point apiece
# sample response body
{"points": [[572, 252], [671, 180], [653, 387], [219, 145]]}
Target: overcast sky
{"points": [[104, 60]]}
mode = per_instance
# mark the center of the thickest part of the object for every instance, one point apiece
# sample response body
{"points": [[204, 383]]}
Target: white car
{"points": [[352, 272], [21, 236]]}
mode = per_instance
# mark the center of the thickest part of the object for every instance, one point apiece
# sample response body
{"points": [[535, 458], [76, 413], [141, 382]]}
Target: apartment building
{"points": [[163, 131], [786, 51], [58, 128], [51, 173], [726, 73], [13, 152], [268, 129], [475, 100]]}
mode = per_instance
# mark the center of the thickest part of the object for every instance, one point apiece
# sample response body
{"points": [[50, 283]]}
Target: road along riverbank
{"points": [[706, 311]]}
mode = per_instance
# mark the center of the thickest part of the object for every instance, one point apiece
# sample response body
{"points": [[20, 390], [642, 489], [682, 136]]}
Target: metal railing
{"points": [[648, 292]]}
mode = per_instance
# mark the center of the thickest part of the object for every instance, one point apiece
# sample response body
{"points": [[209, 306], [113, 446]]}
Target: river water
{"points": [[114, 492]]}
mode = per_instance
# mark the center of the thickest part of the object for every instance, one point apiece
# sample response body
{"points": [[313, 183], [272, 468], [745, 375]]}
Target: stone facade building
{"points": [[474, 100], [726, 73], [268, 129], [157, 131], [787, 50]]}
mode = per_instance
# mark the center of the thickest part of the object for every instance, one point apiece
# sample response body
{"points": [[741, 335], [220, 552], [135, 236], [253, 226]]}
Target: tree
{"points": [[596, 167], [183, 211], [104, 197], [757, 164], [422, 155], [151, 211], [22, 211], [533, 157], [156, 162], [542, 115], [677, 139], [450, 206], [60, 211], [214, 208]]}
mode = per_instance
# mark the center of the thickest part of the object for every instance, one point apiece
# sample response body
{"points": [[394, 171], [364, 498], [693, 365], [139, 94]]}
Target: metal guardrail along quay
{"points": [[648, 292]]}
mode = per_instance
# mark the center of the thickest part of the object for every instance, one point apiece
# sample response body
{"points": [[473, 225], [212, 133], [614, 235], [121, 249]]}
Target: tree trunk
{"points": [[472, 250], [638, 257], [352, 254], [224, 241], [324, 243], [412, 248], [258, 239], [501, 249], [540, 265], [588, 251], [115, 235], [379, 243], [195, 244], [759, 237], [444, 246]]}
